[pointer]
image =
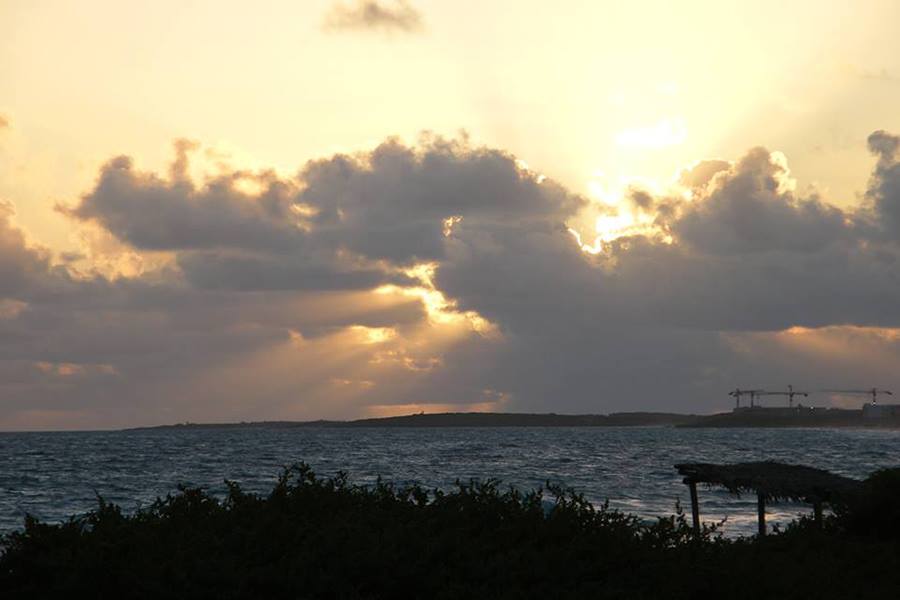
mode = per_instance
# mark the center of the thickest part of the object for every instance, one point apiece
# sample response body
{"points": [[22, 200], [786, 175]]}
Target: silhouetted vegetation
{"points": [[875, 511], [327, 538]]}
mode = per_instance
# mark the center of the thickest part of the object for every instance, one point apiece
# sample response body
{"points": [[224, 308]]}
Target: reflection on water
{"points": [[53, 475]]}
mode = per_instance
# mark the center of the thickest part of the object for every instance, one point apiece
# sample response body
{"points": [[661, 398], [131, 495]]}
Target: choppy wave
{"points": [[54, 475]]}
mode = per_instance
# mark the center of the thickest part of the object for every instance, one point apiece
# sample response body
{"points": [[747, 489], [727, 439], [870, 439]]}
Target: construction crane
{"points": [[873, 391], [790, 393], [738, 392], [753, 395]]}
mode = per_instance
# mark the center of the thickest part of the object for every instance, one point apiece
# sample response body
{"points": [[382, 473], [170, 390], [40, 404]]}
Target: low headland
{"points": [[746, 417]]}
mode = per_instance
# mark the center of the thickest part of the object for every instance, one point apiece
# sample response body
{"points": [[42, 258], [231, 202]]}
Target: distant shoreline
{"points": [[760, 417], [469, 419]]}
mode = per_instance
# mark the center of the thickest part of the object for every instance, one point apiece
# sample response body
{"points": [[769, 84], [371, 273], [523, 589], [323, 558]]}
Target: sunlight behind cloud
{"points": [[374, 335], [619, 216], [439, 309], [609, 227], [449, 222]]}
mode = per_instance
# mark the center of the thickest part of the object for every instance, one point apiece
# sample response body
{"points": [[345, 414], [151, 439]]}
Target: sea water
{"points": [[55, 475]]}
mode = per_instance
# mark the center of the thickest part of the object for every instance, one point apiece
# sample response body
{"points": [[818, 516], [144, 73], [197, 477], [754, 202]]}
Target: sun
{"points": [[617, 216]]}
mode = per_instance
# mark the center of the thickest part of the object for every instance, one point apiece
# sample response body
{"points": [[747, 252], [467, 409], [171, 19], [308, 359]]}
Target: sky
{"points": [[225, 211]]}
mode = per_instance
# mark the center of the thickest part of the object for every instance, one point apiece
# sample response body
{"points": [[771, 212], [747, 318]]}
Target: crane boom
{"points": [[790, 393]]}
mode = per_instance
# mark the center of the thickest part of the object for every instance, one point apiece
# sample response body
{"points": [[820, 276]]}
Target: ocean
{"points": [[55, 475]]}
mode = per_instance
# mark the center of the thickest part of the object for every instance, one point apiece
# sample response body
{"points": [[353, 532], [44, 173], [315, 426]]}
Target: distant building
{"points": [[881, 412]]}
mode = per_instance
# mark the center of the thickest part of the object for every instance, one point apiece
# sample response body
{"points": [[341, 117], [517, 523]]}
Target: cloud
{"points": [[134, 349], [445, 274], [744, 253], [884, 186], [219, 270], [368, 15], [222, 237], [702, 172], [747, 256], [751, 208], [393, 203], [21, 264], [344, 222], [153, 213]]}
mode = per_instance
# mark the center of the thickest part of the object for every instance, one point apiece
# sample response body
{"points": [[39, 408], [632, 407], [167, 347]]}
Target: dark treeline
{"points": [[479, 419], [327, 538], [799, 416]]}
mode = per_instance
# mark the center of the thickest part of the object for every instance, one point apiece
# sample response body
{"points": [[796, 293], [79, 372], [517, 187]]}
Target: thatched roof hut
{"points": [[774, 480], [771, 481]]}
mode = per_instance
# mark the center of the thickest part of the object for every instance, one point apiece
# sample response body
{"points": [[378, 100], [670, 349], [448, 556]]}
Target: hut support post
{"points": [[817, 512], [695, 507], [761, 511]]}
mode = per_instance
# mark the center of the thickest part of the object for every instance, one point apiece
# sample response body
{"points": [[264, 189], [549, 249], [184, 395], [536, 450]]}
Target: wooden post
{"points": [[761, 511], [695, 507], [817, 511]]}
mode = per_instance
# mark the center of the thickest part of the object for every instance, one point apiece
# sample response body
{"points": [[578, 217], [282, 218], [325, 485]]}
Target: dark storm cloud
{"points": [[393, 204], [223, 238], [152, 213], [398, 15], [884, 187], [131, 346], [21, 265], [744, 210], [319, 231], [747, 254], [675, 312], [235, 271]]}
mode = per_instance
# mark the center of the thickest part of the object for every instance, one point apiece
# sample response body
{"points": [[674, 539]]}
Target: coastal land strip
{"points": [[759, 417]]}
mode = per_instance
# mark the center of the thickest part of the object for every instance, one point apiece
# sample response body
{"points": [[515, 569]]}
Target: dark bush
{"points": [[876, 510], [327, 538]]}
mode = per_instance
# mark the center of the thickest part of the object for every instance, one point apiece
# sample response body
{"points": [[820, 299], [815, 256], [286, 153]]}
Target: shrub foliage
{"points": [[316, 537]]}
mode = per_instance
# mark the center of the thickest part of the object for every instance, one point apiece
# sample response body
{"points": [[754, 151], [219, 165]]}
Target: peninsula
{"points": [[744, 417], [468, 419]]}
